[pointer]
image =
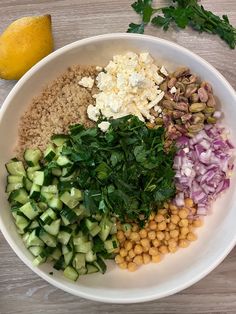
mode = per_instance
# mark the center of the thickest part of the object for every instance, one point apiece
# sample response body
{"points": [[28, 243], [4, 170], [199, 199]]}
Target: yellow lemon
{"points": [[24, 43]]}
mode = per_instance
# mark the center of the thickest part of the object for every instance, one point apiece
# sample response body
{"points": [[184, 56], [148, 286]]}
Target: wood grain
{"points": [[21, 291]]}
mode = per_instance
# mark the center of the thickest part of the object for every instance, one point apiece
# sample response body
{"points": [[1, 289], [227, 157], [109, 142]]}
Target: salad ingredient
{"points": [[50, 215], [24, 43], [59, 105], [129, 84], [189, 106], [167, 230], [86, 82], [203, 165], [124, 171], [184, 13]]}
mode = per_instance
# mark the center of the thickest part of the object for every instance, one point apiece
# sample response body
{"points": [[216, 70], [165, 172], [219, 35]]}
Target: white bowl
{"points": [[175, 272]]}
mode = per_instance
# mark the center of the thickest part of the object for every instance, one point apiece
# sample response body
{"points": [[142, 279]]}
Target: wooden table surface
{"points": [[22, 291]]}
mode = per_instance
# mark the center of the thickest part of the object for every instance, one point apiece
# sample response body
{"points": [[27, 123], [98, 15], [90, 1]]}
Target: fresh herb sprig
{"points": [[184, 13], [124, 171]]}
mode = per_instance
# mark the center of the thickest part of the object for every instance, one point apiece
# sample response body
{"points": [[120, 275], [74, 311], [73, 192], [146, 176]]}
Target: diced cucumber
{"points": [[56, 254], [21, 222], [19, 196], [36, 250], [66, 249], [14, 179], [56, 172], [13, 186], [71, 273], [40, 259], [126, 227], [27, 183], [80, 211], [84, 247], [64, 235], [72, 198], [38, 178], [47, 238], [111, 245], [79, 261], [34, 224], [49, 153], [63, 161], [90, 256], [25, 238], [32, 156], [59, 139], [53, 228], [15, 168], [30, 210], [105, 226], [68, 216], [91, 269], [82, 271], [35, 191], [48, 216], [60, 264], [95, 231], [55, 203], [34, 240], [90, 224], [68, 257], [43, 206], [31, 170], [99, 263]]}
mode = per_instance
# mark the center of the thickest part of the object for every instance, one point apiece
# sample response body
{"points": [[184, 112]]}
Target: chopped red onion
{"points": [[202, 166]]}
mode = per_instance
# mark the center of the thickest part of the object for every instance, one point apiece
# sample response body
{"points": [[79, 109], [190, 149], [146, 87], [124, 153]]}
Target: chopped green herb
{"points": [[184, 13], [125, 171]]}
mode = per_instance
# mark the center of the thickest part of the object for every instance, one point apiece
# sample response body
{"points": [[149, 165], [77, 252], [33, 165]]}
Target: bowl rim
{"points": [[6, 232]]}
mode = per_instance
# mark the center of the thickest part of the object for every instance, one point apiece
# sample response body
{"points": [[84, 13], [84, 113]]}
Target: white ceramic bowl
{"points": [[177, 271]]}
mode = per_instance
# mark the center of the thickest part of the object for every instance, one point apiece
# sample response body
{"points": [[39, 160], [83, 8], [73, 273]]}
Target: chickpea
{"points": [[160, 235], [123, 252], [156, 258], [116, 251], [132, 266], [131, 253], [197, 223], [146, 244], [166, 205], [174, 219], [172, 249], [193, 210], [135, 227], [167, 235], [153, 251], [152, 216], [184, 230], [159, 218], [171, 226], [183, 243], [191, 236], [161, 226], [128, 259], [174, 233], [163, 249], [156, 243], [138, 249], [188, 202], [123, 265], [173, 207], [143, 233], [138, 260], [183, 223], [120, 236], [152, 225], [127, 233], [146, 258], [119, 259], [128, 245], [172, 243], [182, 236], [151, 235], [183, 213], [134, 236], [162, 211]]}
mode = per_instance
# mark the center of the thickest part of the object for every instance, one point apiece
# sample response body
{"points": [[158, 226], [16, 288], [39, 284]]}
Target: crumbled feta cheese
{"points": [[173, 90], [98, 68], [104, 126], [129, 85], [186, 150], [93, 112], [163, 71], [86, 82]]}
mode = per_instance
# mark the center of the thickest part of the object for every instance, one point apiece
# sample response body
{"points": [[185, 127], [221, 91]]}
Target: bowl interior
{"points": [[176, 271]]}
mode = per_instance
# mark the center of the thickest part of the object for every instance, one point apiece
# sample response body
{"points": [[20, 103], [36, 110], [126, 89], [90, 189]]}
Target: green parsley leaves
{"points": [[124, 171], [184, 13]]}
